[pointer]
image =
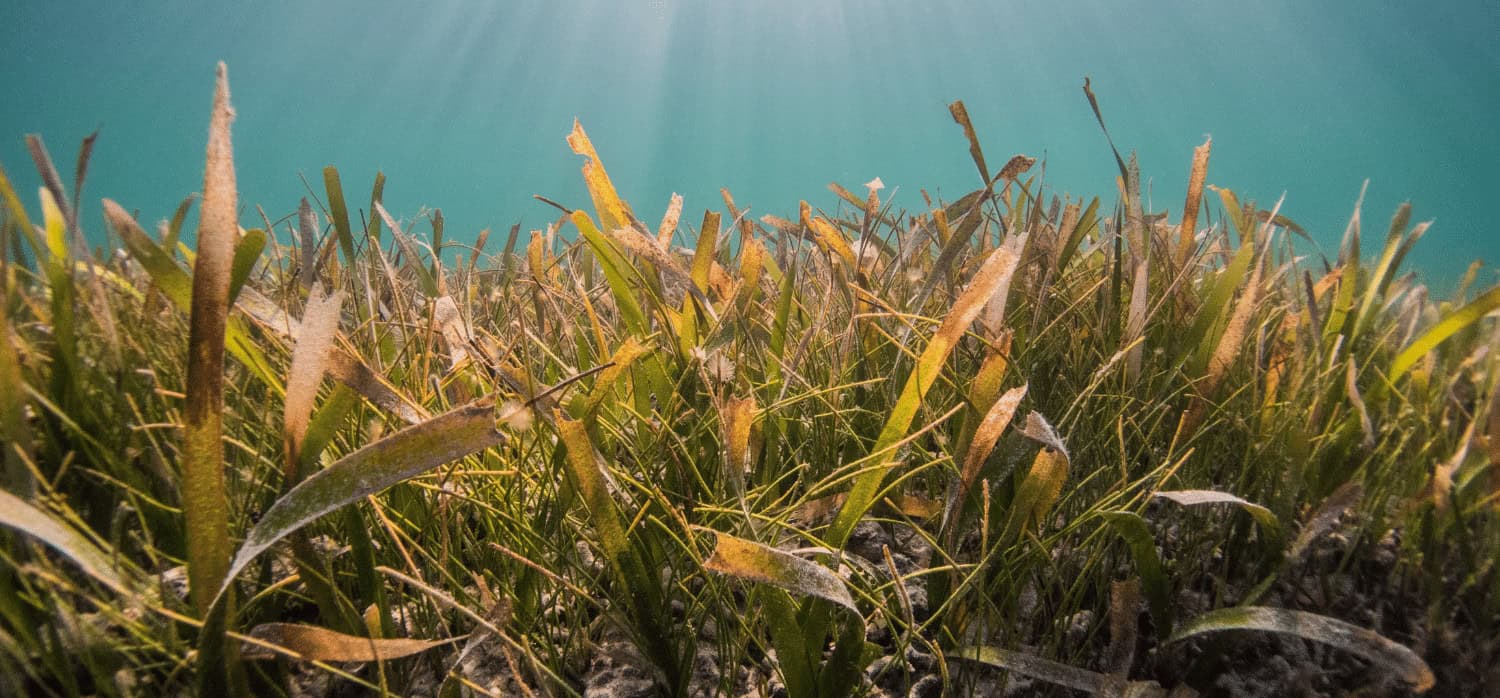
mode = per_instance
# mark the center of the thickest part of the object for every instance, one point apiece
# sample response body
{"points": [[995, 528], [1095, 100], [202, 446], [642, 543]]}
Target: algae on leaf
{"points": [[391, 460], [754, 562], [204, 501]]}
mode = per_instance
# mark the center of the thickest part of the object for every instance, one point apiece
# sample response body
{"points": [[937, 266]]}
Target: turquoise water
{"points": [[464, 105]]}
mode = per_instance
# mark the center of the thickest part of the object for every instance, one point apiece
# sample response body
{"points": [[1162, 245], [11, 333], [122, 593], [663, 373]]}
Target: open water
{"points": [[464, 105]]}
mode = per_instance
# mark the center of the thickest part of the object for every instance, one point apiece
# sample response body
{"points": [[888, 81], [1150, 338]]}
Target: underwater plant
{"points": [[1011, 441]]}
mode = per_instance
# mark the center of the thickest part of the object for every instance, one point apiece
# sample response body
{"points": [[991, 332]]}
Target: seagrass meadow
{"points": [[1019, 442]]}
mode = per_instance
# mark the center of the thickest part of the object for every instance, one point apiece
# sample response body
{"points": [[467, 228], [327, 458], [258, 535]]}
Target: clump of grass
{"points": [[790, 456]]}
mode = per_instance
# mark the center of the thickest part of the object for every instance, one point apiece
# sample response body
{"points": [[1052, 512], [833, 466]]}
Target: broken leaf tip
{"points": [[221, 92], [577, 140]]}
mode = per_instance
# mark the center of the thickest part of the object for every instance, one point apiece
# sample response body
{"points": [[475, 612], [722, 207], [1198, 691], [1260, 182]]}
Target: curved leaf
{"points": [[1047, 670], [985, 436], [619, 363], [1137, 535], [1385, 269], [987, 282], [246, 252], [1351, 638], [748, 560], [1084, 225], [1189, 498], [1038, 429], [400, 456], [1215, 306], [323, 645], [425, 280], [17, 514], [615, 268], [829, 237], [1445, 328]]}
